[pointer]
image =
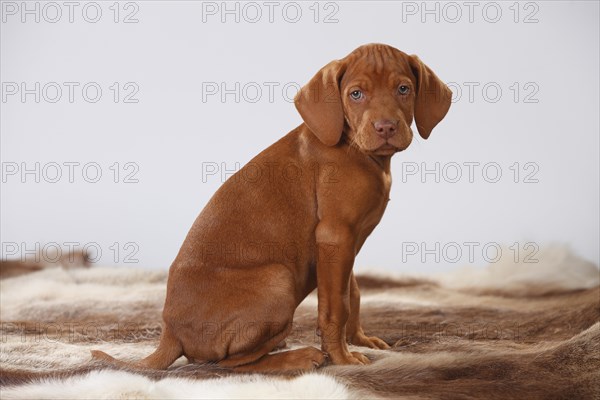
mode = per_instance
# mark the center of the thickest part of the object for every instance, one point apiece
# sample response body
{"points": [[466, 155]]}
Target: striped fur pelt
{"points": [[511, 330]]}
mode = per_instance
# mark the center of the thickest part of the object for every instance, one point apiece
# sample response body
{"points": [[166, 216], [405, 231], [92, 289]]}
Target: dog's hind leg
{"points": [[304, 359], [169, 349]]}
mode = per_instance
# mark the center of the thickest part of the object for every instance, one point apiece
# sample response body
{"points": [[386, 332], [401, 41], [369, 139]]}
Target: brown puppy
{"points": [[294, 219]]}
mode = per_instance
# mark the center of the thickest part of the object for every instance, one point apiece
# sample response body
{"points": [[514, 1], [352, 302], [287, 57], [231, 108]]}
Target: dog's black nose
{"points": [[385, 128]]}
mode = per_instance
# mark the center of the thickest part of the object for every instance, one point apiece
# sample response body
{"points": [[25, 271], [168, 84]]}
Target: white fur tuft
{"points": [[552, 269], [123, 385]]}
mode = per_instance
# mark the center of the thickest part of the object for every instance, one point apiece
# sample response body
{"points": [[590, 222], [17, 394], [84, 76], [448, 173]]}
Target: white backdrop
{"points": [[176, 93]]}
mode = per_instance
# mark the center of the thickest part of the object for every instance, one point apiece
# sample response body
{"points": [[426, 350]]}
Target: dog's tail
{"points": [[169, 349]]}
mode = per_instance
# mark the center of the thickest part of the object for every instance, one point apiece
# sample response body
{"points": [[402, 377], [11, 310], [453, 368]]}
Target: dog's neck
{"points": [[384, 162]]}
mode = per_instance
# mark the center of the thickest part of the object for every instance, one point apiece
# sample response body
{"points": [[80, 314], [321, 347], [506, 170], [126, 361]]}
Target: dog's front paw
{"points": [[372, 342]]}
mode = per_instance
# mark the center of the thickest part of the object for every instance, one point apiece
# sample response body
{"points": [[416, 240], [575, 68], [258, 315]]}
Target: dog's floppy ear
{"points": [[320, 104], [433, 97]]}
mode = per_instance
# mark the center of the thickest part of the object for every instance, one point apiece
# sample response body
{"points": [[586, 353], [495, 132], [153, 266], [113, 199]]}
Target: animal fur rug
{"points": [[511, 330]]}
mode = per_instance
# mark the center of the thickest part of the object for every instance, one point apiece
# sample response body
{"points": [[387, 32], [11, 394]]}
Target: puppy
{"points": [[294, 219]]}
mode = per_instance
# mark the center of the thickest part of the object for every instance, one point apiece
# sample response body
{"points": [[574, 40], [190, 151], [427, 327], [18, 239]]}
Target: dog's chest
{"points": [[374, 206]]}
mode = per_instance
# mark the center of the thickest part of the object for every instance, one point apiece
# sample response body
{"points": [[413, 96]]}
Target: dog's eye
{"points": [[403, 89], [356, 94]]}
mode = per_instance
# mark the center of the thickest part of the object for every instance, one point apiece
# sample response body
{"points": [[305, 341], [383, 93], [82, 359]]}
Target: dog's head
{"points": [[370, 97]]}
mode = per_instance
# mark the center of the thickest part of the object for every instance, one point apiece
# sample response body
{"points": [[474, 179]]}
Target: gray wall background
{"points": [[525, 78]]}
